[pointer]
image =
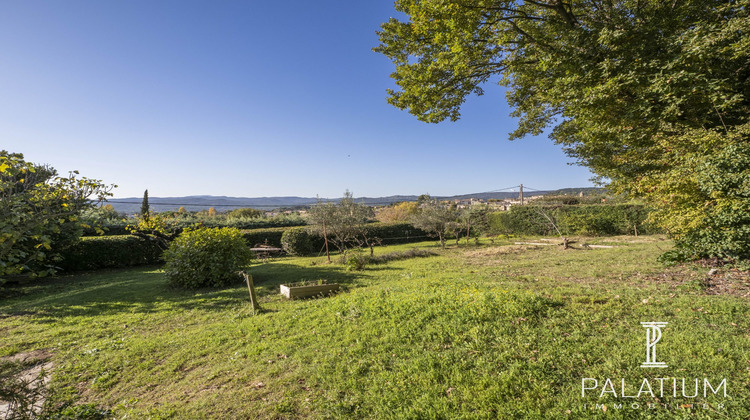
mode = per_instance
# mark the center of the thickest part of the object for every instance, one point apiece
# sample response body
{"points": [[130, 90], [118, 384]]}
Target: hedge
{"points": [[296, 241], [113, 229], [271, 236], [396, 233], [388, 233], [109, 252], [619, 219], [115, 251]]}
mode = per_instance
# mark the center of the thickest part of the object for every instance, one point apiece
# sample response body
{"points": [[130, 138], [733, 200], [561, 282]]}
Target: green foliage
{"points": [[154, 224], [704, 202], [296, 241], [592, 220], [93, 253], [435, 218], [356, 261], [80, 412], [635, 91], [40, 214], [110, 228], [97, 221], [249, 213], [206, 257]]}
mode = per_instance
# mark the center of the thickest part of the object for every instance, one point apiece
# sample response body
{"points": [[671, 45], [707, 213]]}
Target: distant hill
{"points": [[132, 205]]}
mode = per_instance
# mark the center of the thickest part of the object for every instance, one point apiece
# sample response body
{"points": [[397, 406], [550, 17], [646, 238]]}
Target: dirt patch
{"points": [[490, 256], [29, 381], [717, 282], [728, 282], [632, 239]]}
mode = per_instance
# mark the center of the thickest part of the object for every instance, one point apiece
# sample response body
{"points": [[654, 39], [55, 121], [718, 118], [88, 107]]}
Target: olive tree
{"points": [[343, 224], [436, 219]]}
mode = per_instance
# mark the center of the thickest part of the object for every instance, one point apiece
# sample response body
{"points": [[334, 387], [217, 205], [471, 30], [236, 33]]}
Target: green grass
{"points": [[484, 331]]}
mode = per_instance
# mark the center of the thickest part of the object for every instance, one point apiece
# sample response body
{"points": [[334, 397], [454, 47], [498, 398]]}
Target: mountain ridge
{"points": [[203, 202]]}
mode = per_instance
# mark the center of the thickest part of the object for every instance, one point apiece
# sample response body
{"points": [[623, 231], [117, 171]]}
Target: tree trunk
{"points": [[325, 238]]}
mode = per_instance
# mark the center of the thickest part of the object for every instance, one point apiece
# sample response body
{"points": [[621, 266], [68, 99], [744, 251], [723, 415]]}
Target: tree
{"points": [[436, 219], [145, 209], [160, 228], [398, 212], [321, 217], [343, 224], [40, 213], [475, 220], [247, 212], [621, 85]]}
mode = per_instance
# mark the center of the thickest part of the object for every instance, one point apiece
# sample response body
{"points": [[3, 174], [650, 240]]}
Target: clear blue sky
{"points": [[245, 98]]}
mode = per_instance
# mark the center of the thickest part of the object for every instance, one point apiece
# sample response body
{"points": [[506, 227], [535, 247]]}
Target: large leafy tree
{"points": [[40, 213], [623, 85]]}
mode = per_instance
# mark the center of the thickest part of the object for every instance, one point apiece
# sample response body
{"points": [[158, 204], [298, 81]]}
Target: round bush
{"points": [[206, 257], [296, 241]]}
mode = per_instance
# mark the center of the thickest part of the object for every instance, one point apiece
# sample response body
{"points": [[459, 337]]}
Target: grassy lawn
{"points": [[476, 331]]}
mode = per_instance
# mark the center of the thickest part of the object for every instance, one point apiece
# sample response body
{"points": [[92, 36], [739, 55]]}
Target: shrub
{"points": [[356, 261], [296, 241], [206, 257], [96, 252]]}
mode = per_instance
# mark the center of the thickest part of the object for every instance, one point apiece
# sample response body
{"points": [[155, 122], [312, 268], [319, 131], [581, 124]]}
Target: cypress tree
{"points": [[144, 206]]}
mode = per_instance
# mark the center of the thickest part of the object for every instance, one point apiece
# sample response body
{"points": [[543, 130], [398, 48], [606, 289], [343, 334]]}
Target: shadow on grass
{"points": [[145, 290]]}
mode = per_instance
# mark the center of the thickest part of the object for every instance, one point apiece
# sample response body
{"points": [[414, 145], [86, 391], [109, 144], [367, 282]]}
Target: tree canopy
{"points": [[621, 85]]}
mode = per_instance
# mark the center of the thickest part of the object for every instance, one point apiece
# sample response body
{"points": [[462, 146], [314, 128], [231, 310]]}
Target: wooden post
{"points": [[521, 194], [251, 290]]}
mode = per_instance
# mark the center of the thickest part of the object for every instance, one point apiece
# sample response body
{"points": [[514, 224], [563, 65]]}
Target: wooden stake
{"points": [[251, 290]]}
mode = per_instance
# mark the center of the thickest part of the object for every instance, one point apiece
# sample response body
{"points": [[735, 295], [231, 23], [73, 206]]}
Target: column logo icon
{"points": [[653, 335]]}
